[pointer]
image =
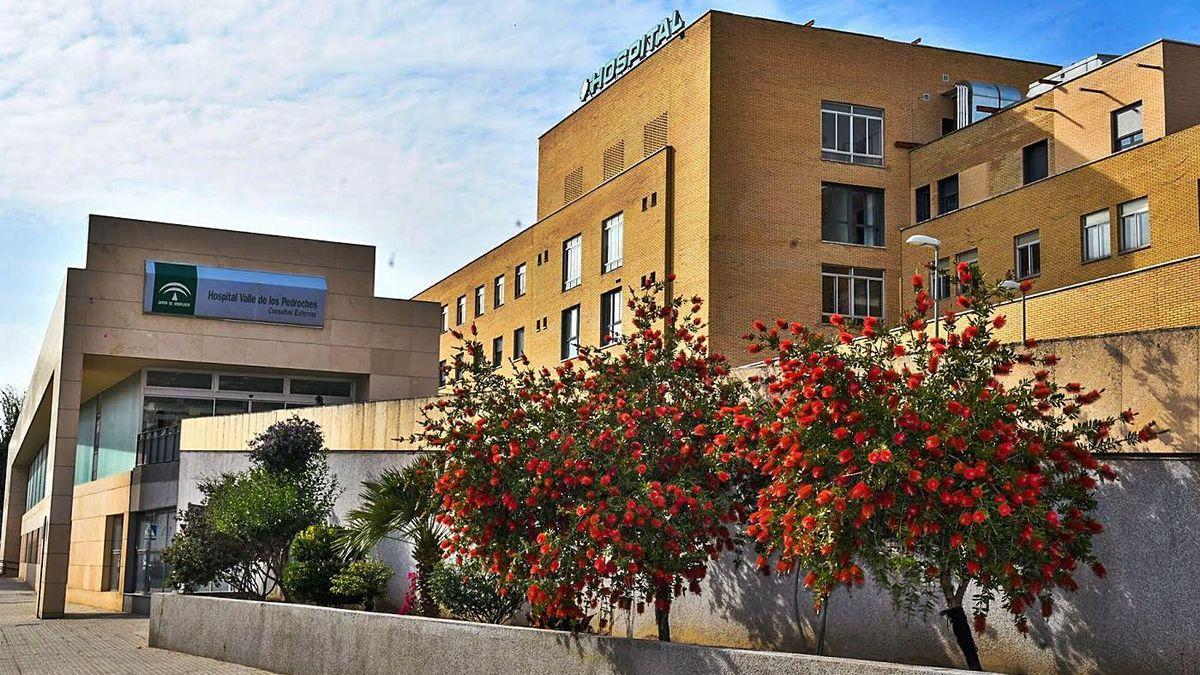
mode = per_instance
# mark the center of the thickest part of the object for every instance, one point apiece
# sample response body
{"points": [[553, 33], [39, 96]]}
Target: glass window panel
{"points": [[875, 137], [252, 383], [843, 295], [227, 407], [828, 131], [859, 131], [828, 294], [178, 380], [860, 297], [843, 133], [163, 411], [338, 388], [265, 406]]}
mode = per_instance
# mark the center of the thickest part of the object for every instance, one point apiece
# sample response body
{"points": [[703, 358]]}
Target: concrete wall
{"points": [[350, 468], [300, 639]]}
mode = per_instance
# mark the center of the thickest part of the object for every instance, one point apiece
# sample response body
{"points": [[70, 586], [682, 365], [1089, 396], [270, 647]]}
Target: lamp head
{"points": [[922, 240]]}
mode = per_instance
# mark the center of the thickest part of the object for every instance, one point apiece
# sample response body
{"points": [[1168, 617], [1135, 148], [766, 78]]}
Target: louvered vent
{"points": [[654, 135], [573, 185], [614, 160]]}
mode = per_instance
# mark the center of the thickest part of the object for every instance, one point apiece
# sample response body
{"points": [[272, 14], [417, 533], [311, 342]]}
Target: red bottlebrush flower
{"points": [[1026, 285], [999, 321], [759, 325], [1099, 570], [808, 523], [918, 280], [845, 456], [1147, 433], [973, 568], [754, 348], [980, 623], [837, 319], [932, 443]]}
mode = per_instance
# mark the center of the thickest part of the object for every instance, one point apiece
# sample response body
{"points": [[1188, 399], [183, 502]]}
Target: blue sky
{"points": [[408, 125]]}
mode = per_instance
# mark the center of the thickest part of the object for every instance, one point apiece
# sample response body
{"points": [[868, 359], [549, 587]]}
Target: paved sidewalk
{"points": [[86, 642]]}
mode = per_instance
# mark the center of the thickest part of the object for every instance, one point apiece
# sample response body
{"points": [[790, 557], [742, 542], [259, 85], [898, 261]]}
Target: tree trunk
{"points": [[425, 564], [662, 617], [962, 633]]}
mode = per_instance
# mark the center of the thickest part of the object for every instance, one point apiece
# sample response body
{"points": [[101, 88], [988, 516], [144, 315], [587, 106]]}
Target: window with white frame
{"points": [[1135, 224], [853, 292], [519, 281], [572, 264], [1028, 254], [1097, 241], [445, 318], [519, 342], [1127, 127], [610, 317], [497, 351], [612, 238], [480, 300], [460, 310], [570, 333], [941, 285], [852, 133], [498, 291]]}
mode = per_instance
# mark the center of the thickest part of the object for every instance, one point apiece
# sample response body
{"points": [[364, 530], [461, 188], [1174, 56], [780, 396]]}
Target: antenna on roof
{"points": [[917, 41], [810, 23]]}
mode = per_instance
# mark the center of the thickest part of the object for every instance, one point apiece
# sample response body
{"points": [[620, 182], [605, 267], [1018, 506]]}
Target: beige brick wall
{"points": [[1165, 171]]}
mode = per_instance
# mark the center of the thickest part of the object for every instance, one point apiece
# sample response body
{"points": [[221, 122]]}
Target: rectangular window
{"points": [[1035, 161], [612, 244], [852, 133], [947, 194], [1028, 254], [519, 342], [1135, 224], [251, 383], [442, 373], [570, 333], [941, 285], [480, 300], [851, 214], [1097, 241], [114, 535], [572, 264], [498, 291], [497, 351], [460, 315], [921, 197], [178, 380], [327, 388], [1127, 127], [445, 318], [519, 282], [853, 292], [610, 317]]}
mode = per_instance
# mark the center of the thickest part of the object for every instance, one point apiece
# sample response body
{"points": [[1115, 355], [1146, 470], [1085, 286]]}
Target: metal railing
{"points": [[158, 445]]}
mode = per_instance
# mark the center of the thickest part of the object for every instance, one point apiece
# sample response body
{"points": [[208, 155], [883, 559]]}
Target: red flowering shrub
{"points": [[936, 464], [602, 480]]}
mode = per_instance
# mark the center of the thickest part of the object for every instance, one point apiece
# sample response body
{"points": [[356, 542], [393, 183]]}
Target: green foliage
{"points": [[472, 593], [365, 581], [241, 532], [315, 558], [400, 505], [10, 411]]}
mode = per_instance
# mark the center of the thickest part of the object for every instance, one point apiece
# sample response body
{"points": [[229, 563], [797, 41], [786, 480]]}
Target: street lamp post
{"points": [[1010, 285], [936, 245]]}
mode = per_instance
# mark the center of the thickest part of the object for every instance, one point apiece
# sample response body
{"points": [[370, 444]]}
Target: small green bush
{"points": [[472, 593], [314, 559], [364, 581]]}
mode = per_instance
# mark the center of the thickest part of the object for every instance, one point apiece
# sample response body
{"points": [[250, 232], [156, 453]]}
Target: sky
{"points": [[411, 126]]}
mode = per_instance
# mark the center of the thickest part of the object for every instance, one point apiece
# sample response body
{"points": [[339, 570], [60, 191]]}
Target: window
{"points": [[519, 342], [1097, 242], [480, 300], [114, 535], [445, 318], [852, 133], [612, 237], [178, 380], [949, 124], [1135, 224], [497, 351], [610, 317], [941, 285], [921, 197], [851, 214], [570, 333], [251, 383], [1035, 160], [460, 315], [335, 388], [519, 281], [947, 194], [853, 292], [572, 264], [1127, 127], [1029, 254], [442, 373], [498, 291], [35, 478]]}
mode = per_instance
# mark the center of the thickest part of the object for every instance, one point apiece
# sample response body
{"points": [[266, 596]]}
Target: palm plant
{"points": [[399, 505]]}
